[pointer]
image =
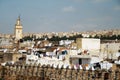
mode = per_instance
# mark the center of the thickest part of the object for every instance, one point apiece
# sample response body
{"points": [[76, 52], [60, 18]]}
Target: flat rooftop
{"points": [[80, 56]]}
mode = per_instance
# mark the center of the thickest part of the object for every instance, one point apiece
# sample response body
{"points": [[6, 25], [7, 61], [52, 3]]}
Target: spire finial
{"points": [[19, 17], [18, 21]]}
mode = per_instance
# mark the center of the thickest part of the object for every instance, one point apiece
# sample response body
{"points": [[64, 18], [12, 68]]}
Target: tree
{"points": [[27, 38]]}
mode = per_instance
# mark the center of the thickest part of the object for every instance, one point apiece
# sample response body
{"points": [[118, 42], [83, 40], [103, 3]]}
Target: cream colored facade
{"points": [[110, 47], [18, 30], [88, 44]]}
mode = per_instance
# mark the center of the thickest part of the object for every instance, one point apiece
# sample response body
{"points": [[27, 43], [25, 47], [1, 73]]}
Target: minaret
{"points": [[18, 29]]}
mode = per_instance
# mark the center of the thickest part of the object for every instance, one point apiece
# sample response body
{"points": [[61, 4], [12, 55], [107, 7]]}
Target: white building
{"points": [[88, 44], [65, 42], [109, 50], [110, 47]]}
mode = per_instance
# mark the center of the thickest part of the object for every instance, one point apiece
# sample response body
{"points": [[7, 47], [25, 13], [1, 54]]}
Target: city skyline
{"points": [[59, 16]]}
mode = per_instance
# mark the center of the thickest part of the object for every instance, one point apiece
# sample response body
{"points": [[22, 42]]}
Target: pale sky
{"points": [[59, 15]]}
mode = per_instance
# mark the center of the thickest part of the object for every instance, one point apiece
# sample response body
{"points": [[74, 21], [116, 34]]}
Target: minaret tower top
{"points": [[18, 23]]}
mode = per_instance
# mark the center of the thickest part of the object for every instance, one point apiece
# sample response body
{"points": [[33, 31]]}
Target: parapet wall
{"points": [[38, 72]]}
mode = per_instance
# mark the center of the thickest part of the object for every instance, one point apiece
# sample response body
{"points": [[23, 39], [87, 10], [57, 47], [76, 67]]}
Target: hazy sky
{"points": [[59, 15]]}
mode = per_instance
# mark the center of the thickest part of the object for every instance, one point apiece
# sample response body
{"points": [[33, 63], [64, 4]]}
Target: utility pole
{"points": [[107, 50]]}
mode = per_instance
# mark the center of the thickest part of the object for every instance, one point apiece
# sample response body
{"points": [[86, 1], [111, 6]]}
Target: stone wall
{"points": [[6, 57], [38, 72]]}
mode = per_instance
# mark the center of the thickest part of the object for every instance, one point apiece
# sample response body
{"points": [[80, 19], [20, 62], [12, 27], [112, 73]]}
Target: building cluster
{"points": [[87, 52], [67, 34]]}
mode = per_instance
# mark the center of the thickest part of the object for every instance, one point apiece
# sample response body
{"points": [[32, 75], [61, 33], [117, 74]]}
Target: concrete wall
{"points": [[83, 60], [75, 61]]}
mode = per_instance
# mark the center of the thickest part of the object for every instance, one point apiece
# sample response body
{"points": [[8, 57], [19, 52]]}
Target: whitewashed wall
{"points": [[90, 44]]}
